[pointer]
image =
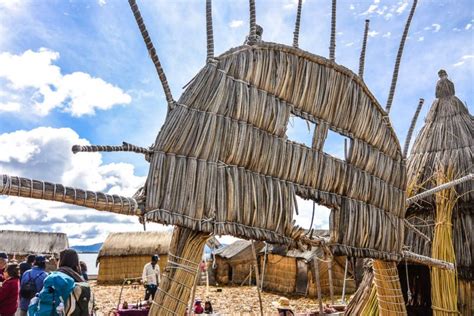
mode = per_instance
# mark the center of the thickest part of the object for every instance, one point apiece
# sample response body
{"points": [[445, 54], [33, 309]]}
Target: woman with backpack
{"points": [[9, 290], [64, 292]]}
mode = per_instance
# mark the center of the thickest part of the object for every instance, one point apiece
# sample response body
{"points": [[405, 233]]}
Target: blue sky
{"points": [[78, 72]]}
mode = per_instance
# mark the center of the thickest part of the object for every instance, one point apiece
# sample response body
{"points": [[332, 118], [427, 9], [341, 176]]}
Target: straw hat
{"points": [[282, 303]]}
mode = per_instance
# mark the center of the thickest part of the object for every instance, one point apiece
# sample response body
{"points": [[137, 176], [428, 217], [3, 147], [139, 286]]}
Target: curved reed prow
{"points": [[36, 189]]}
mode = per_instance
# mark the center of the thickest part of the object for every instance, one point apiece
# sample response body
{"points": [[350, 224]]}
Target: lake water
{"points": [[89, 259]]}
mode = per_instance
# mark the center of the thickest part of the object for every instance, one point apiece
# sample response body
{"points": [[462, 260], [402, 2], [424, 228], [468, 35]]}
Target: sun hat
{"points": [[3, 256], [282, 303]]}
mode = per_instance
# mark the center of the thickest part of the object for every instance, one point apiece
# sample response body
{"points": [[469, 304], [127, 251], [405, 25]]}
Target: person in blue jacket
{"points": [[38, 274]]}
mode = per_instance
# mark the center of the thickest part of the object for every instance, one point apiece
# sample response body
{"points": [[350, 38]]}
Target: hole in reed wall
{"points": [[305, 212], [335, 143], [300, 130]]}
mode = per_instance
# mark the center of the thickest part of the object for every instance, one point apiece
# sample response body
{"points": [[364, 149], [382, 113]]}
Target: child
{"points": [[198, 308], [208, 307]]}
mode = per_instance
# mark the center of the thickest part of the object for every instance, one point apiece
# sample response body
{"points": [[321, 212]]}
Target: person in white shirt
{"points": [[151, 277]]}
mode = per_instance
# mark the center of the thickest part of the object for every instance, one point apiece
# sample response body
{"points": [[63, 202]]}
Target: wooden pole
{"points": [[344, 283], [257, 277], [331, 288], [318, 284]]}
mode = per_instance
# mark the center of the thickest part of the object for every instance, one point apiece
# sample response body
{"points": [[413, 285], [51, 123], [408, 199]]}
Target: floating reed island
{"points": [[223, 164]]}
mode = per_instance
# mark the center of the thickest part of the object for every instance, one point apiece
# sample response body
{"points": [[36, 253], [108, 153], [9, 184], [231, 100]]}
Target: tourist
{"points": [[65, 292], [83, 266], [3, 264], [151, 277], [27, 264], [198, 307], [9, 290], [208, 308], [32, 283], [283, 307]]}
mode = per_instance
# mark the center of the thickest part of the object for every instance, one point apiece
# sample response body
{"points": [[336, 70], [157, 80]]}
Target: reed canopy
{"points": [[22, 243], [123, 255]]}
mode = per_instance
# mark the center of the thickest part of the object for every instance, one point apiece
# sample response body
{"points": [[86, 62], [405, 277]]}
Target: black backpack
{"points": [[28, 289], [81, 301]]}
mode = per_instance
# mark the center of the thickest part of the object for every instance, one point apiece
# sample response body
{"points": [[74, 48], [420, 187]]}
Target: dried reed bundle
{"points": [[371, 307], [180, 275], [363, 295], [465, 294], [444, 288], [389, 292]]}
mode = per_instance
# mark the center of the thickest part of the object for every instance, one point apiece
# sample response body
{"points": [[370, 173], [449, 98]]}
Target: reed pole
{"points": [[296, 33], [399, 57], [42, 190], [412, 127], [362, 52], [331, 288], [332, 45], [209, 30], [344, 282], [253, 23], [257, 277], [152, 52], [318, 284], [110, 148]]}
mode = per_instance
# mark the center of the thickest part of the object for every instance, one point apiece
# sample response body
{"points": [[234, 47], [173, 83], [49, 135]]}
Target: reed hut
{"points": [[19, 244], [235, 263], [123, 255], [289, 272], [443, 151]]}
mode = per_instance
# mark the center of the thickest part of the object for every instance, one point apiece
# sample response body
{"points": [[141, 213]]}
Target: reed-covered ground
{"points": [[231, 301]]}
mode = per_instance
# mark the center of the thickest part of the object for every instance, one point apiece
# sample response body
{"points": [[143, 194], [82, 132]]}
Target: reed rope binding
{"points": [[209, 31], [152, 52], [362, 52], [296, 33], [110, 148], [399, 57]]}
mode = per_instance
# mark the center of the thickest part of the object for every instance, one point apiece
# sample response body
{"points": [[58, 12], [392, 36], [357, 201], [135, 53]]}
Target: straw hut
{"points": [[234, 262], [290, 272], [123, 255], [443, 151]]}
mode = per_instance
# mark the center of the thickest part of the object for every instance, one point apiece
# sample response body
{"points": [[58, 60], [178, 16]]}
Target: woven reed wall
{"points": [[240, 271], [280, 276], [222, 163], [466, 297], [222, 271], [115, 269]]}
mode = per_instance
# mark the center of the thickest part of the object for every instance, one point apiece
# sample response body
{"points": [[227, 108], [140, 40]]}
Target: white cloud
{"points": [[371, 9], [290, 4], [349, 44], [351, 7], [372, 33], [436, 27], [402, 7], [388, 16], [44, 153], [10, 107], [236, 23], [468, 26], [33, 76], [387, 35], [421, 39], [102, 2], [463, 60]]}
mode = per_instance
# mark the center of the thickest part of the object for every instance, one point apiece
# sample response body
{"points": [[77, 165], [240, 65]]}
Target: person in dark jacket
{"points": [[9, 290], [38, 274], [3, 264], [27, 264]]}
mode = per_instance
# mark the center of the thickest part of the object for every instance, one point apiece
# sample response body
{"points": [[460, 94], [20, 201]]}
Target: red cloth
{"points": [[1, 275], [9, 296]]}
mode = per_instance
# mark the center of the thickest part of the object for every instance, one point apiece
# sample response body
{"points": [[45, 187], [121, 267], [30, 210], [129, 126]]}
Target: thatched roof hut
{"points": [[123, 255], [444, 144], [235, 262], [22, 243], [289, 271]]}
